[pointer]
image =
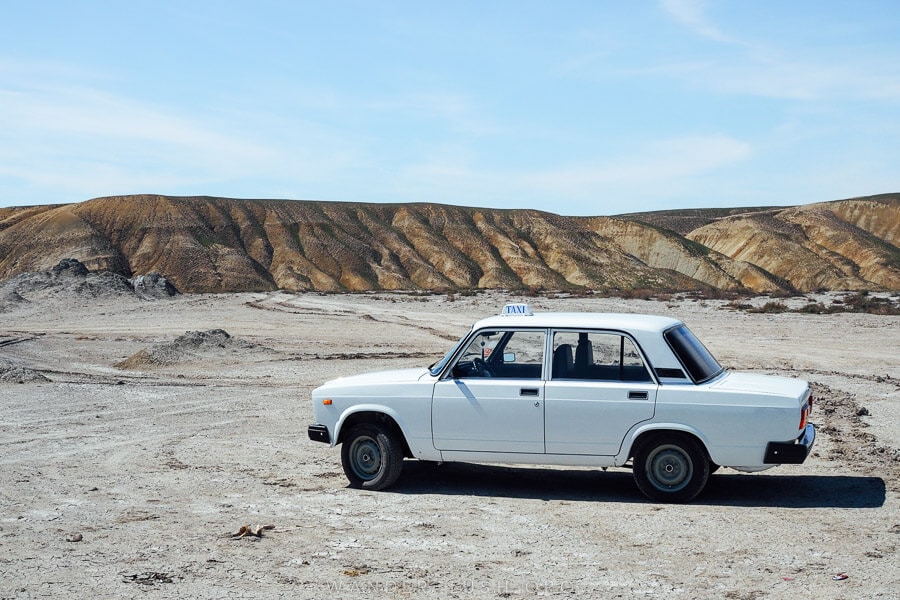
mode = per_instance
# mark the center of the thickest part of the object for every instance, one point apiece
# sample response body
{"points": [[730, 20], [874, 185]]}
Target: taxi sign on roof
{"points": [[516, 309]]}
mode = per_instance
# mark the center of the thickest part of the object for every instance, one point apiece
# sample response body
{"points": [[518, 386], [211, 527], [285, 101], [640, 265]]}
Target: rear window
{"points": [[694, 356]]}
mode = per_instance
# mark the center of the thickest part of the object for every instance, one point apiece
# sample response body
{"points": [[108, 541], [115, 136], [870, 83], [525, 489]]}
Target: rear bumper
{"points": [[319, 433], [793, 452]]}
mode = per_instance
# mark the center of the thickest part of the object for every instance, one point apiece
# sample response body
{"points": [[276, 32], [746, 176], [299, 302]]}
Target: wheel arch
{"points": [[371, 414], [644, 434]]}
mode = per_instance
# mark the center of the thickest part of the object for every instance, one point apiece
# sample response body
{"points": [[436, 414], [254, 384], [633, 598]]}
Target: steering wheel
{"points": [[481, 368]]}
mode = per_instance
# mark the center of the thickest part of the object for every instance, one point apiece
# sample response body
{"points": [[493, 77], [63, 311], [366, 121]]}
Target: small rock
{"points": [[74, 537], [862, 412]]}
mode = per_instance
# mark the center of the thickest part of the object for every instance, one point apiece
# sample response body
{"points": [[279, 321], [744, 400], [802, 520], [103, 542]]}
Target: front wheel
{"points": [[671, 468], [372, 456]]}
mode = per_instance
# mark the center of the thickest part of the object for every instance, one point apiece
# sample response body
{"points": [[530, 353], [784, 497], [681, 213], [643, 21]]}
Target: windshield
{"points": [[693, 355], [437, 367]]}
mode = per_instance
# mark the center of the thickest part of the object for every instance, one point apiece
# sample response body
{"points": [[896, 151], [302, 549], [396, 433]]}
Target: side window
{"points": [[473, 360], [596, 355], [522, 356], [509, 354]]}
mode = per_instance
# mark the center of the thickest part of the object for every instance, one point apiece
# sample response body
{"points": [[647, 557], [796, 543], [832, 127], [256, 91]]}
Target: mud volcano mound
{"points": [[71, 279], [192, 345], [13, 373]]}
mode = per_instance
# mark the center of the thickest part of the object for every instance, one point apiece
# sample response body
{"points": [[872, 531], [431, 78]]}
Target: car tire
{"points": [[671, 468], [372, 456]]}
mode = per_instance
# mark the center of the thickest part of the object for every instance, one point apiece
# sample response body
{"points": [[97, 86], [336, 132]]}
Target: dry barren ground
{"points": [[126, 472]]}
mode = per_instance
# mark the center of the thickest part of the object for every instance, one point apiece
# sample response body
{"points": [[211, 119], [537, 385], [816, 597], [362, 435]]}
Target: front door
{"points": [[493, 398]]}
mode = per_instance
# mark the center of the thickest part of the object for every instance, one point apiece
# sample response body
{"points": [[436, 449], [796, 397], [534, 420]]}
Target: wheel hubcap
{"points": [[670, 469], [366, 458]]}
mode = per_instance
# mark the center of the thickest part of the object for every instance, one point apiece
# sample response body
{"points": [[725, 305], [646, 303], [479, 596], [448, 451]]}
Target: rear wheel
{"points": [[372, 456], [671, 468]]}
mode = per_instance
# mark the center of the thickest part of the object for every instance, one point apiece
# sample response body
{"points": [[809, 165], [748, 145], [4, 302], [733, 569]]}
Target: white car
{"points": [[579, 389]]}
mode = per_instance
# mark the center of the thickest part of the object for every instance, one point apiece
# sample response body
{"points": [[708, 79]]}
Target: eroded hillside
{"points": [[205, 244], [848, 244]]}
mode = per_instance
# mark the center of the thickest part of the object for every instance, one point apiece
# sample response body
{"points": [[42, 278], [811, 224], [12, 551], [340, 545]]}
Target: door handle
{"points": [[528, 392], [638, 395]]}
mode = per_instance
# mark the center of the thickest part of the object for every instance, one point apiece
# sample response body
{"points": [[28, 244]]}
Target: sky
{"points": [[577, 107]]}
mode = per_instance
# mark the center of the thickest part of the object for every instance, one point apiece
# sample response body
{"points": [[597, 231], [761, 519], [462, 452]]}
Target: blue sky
{"points": [[575, 107]]}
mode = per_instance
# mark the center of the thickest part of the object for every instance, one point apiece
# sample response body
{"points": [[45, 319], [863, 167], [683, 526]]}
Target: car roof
{"points": [[630, 322]]}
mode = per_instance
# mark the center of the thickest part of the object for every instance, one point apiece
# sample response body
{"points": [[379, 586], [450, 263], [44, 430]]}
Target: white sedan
{"points": [[579, 389]]}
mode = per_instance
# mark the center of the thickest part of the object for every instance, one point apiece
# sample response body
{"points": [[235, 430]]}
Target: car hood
{"points": [[378, 377], [761, 384]]}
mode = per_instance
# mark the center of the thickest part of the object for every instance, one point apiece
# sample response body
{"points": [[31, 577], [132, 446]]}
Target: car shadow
{"points": [[726, 488]]}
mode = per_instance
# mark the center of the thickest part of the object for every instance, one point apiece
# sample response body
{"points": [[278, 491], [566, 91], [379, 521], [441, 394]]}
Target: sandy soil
{"points": [[125, 481]]}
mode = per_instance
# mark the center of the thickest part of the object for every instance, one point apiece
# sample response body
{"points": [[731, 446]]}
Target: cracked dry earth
{"points": [[134, 481]]}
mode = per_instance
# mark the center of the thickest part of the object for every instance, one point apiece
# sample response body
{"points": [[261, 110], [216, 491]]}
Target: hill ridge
{"points": [[209, 244]]}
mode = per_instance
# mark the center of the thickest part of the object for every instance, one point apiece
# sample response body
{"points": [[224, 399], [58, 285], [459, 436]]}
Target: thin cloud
{"points": [[780, 71], [82, 111], [661, 160], [455, 111], [88, 139], [653, 167], [692, 15], [785, 78]]}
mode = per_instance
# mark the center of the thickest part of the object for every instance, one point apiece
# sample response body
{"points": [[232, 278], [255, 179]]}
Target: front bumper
{"points": [[319, 433], [793, 452]]}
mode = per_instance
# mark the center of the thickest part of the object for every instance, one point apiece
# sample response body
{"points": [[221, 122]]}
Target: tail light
{"points": [[804, 412]]}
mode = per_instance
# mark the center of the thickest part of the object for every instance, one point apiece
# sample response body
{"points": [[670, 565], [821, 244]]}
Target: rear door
{"points": [[592, 401]]}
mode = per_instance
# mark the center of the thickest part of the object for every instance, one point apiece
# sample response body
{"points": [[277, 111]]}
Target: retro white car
{"points": [[578, 389]]}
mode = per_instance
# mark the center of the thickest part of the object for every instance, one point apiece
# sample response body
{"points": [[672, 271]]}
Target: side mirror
{"points": [[509, 357]]}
